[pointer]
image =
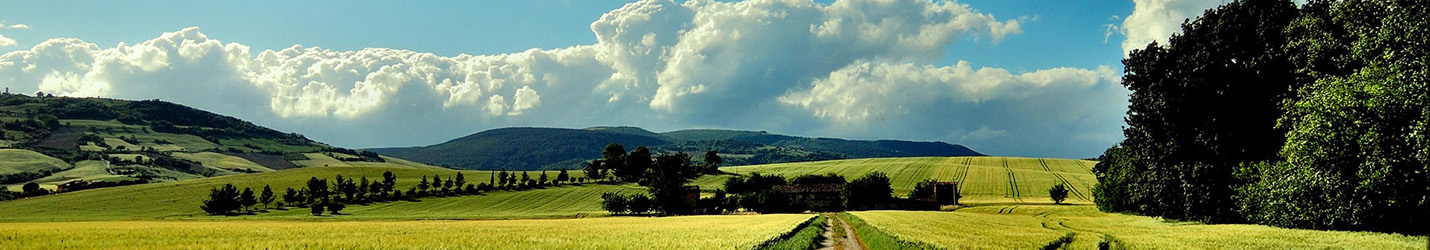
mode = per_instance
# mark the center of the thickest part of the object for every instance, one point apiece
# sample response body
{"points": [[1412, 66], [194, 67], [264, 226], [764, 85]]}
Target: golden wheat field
{"points": [[1038, 226], [685, 232]]}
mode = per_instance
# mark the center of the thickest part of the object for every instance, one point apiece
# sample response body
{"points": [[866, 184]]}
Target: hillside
{"points": [[556, 148], [521, 148], [181, 199], [55, 140], [985, 180]]}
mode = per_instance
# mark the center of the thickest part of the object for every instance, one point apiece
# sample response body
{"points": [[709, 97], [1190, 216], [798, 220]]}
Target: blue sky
{"points": [[1027, 78]]}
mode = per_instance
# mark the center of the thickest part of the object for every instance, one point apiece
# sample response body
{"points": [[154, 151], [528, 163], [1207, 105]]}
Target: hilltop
{"points": [[562, 148], [104, 142]]}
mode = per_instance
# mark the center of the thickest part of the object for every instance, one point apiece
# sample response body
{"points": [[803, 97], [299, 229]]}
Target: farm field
{"points": [[21, 161], [983, 180], [1036, 226], [684, 232], [84, 170], [181, 199]]}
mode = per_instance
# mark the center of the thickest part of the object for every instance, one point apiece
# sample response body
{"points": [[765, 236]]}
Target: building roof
{"points": [[816, 188]]}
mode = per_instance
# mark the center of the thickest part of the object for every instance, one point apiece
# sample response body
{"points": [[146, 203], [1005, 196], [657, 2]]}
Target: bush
{"points": [[616, 203], [1058, 193], [317, 209]]}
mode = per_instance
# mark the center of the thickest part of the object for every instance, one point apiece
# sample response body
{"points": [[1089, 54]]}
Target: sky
{"points": [[1015, 77]]}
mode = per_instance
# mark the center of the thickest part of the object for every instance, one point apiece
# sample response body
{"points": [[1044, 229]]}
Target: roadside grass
{"points": [[806, 236], [875, 238], [682, 232]]}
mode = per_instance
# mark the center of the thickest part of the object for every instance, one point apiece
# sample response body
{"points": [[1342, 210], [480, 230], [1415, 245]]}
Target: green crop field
{"points": [[84, 170], [1036, 226], [982, 180], [684, 232], [222, 161], [181, 199], [24, 161]]}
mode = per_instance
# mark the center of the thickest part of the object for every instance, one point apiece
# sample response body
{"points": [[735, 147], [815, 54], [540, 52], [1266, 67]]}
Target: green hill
{"points": [[181, 199], [53, 140], [559, 148], [986, 181]]}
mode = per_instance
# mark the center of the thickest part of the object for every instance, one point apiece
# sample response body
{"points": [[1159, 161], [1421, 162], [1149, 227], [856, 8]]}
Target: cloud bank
{"points": [[853, 68]]}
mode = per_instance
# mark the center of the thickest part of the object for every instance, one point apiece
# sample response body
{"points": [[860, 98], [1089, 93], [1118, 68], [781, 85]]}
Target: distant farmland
{"points": [[982, 180]]}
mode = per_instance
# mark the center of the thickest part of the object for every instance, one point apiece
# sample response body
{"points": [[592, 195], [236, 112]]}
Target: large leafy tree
{"points": [[1359, 142], [1201, 105], [669, 175]]}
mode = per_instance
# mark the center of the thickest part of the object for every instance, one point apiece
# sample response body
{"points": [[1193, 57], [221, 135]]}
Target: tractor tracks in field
{"points": [[963, 174], [1064, 180], [1012, 182]]}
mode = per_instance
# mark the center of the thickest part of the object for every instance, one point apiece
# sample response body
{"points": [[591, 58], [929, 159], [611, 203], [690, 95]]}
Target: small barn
{"points": [[946, 193], [815, 197]]}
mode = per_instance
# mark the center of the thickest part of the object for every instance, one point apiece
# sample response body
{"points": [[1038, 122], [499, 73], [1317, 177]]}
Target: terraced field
{"points": [[1038, 226], [684, 232], [983, 180]]}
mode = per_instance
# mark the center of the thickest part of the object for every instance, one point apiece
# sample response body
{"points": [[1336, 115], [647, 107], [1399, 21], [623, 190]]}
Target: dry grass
{"points": [[1034, 226], [686, 232]]}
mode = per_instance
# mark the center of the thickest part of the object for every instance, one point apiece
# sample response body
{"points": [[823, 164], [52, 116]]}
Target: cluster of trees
{"points": [[758, 193], [509, 181], [1262, 111], [637, 165], [666, 176], [28, 190], [333, 196], [367, 156]]}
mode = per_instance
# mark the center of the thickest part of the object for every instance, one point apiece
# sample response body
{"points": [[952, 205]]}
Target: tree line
{"points": [[1313, 116], [332, 196], [760, 193]]}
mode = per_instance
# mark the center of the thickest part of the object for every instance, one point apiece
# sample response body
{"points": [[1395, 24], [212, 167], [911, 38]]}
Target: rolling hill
{"points": [[560, 148], [54, 140], [985, 181]]}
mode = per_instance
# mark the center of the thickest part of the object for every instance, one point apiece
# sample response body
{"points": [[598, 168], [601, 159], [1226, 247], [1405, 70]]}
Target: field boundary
{"points": [[790, 235], [871, 237]]}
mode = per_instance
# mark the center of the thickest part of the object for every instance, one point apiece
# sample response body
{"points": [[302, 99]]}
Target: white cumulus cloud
{"points": [[1157, 20], [852, 68]]}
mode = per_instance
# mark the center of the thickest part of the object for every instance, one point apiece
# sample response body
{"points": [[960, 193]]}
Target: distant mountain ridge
{"points": [[528, 148]]}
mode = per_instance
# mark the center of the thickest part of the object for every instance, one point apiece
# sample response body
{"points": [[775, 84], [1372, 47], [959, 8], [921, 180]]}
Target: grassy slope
{"points": [[22, 161], [987, 179], [85, 170], [1024, 227], [181, 199], [684, 232], [222, 161]]}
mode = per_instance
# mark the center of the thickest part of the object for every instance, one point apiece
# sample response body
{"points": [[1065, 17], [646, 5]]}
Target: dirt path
{"points": [[848, 241]]}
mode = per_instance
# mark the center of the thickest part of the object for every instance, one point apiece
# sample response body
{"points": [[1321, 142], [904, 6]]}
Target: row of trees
{"points": [[758, 193], [320, 194], [509, 181], [1262, 111]]}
